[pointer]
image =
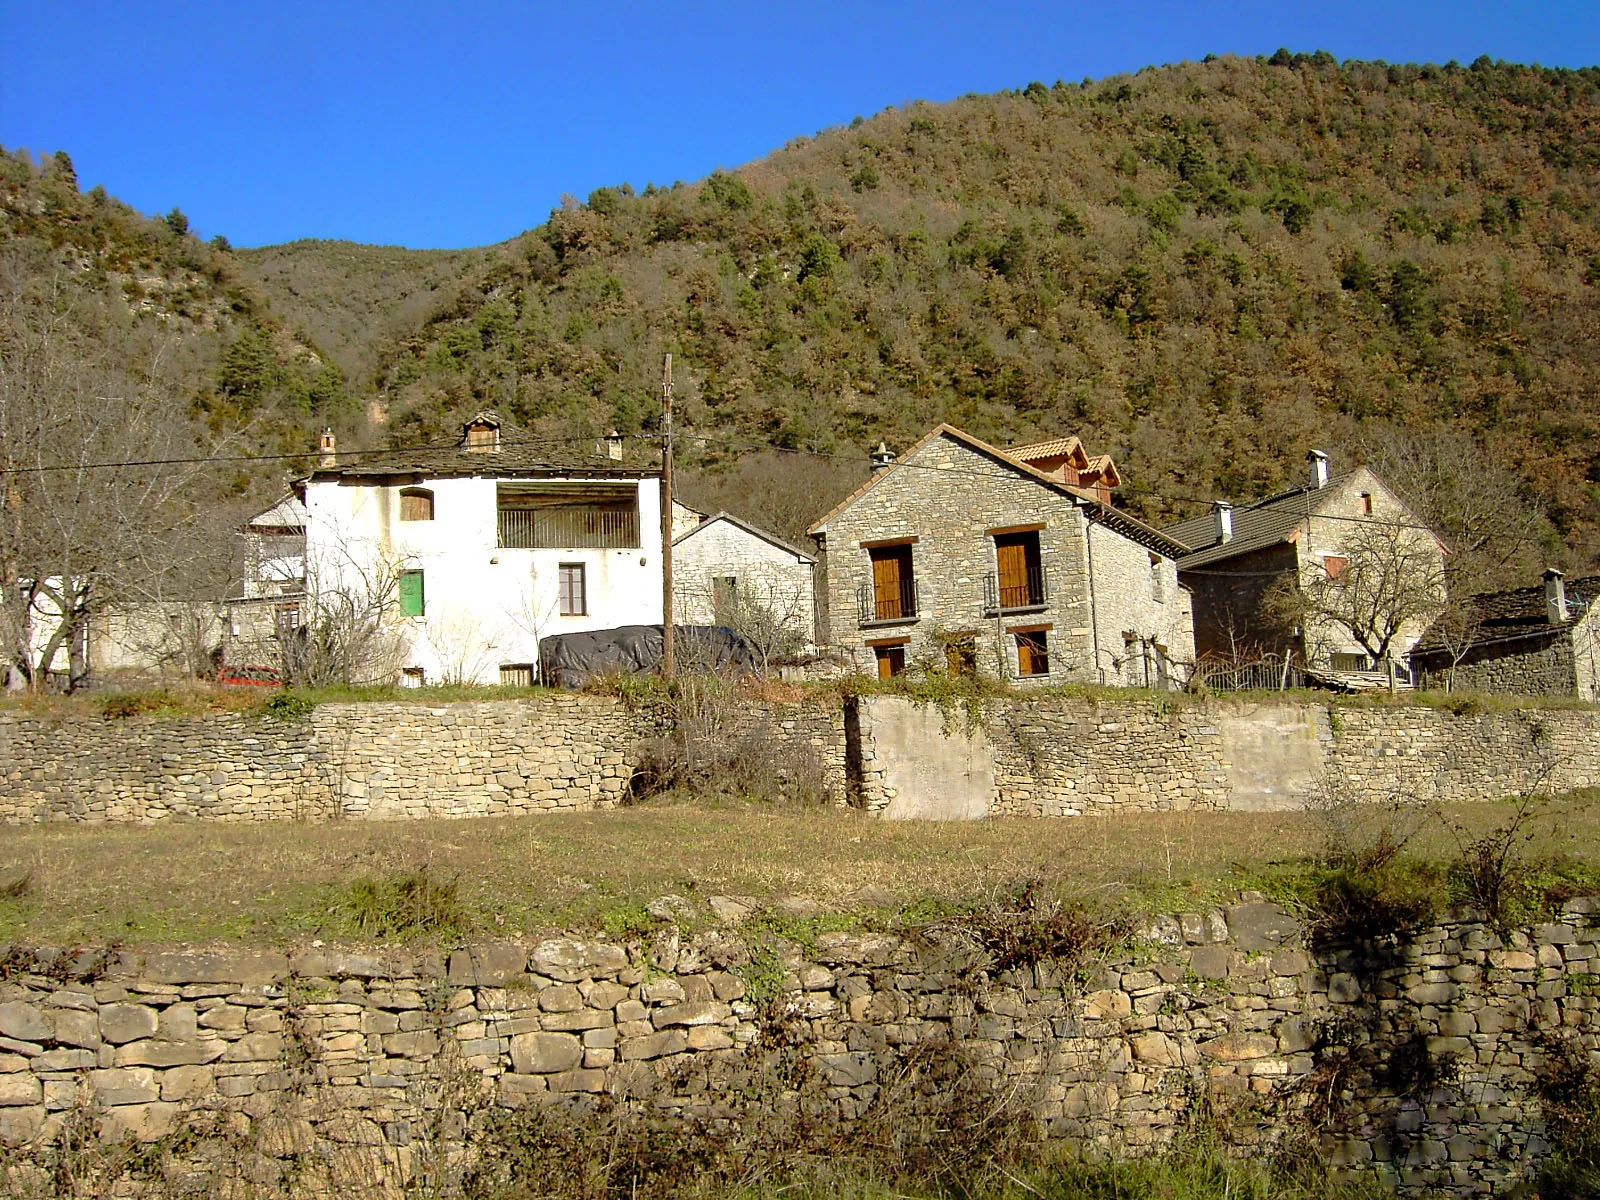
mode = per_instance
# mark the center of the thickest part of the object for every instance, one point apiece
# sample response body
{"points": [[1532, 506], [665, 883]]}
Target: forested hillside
{"points": [[1204, 269]]}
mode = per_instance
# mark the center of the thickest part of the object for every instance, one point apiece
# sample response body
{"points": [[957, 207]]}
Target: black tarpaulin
{"points": [[570, 660]]}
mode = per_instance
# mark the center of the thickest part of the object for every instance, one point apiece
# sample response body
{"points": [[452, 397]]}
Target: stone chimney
{"points": [[1555, 597], [327, 449], [614, 446], [1319, 468], [882, 459], [1222, 511]]}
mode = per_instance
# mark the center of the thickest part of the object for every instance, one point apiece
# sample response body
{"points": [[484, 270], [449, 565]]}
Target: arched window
{"points": [[416, 504]]}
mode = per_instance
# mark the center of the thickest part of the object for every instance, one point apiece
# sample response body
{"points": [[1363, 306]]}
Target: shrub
{"points": [[408, 904]]}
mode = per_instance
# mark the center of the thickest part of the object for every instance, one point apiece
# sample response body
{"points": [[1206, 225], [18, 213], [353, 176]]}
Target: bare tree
{"points": [[1391, 581], [463, 647], [771, 613], [348, 633], [102, 472]]}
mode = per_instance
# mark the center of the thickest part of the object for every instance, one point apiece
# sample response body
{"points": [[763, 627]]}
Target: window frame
{"points": [[421, 597], [565, 597], [416, 493], [1039, 640]]}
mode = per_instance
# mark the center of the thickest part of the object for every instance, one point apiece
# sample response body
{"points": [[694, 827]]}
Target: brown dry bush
{"points": [[719, 744]]}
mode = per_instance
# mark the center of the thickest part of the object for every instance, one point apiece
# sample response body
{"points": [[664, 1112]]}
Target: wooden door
{"points": [[1011, 558]]}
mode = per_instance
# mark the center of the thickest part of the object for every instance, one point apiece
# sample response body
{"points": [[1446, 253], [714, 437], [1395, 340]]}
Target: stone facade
{"points": [[1109, 601], [765, 574], [1563, 662], [358, 1069]]}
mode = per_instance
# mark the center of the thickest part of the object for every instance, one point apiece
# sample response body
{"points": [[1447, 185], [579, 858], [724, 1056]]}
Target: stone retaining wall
{"points": [[1066, 756], [357, 1070], [1035, 756], [359, 761]]}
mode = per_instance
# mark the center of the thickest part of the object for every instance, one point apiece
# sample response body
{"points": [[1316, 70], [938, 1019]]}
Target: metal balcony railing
{"points": [[877, 605], [1019, 596]]}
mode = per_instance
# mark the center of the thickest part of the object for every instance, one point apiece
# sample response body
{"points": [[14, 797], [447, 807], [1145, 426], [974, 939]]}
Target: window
{"points": [[411, 595], [483, 436], [1033, 652], [569, 516], [724, 596], [1018, 581], [891, 660], [1158, 583], [416, 504], [411, 677], [894, 591], [961, 656], [1334, 565], [285, 619], [574, 592], [1366, 503], [517, 675]]}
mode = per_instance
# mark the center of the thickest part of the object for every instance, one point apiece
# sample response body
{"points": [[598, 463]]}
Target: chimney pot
{"points": [[1222, 511], [1555, 597], [328, 449], [1319, 468], [882, 459], [614, 446]]}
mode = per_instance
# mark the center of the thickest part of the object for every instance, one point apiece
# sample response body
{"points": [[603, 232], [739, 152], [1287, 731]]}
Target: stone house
{"points": [[1537, 641], [962, 556], [726, 571], [480, 549], [1239, 553]]}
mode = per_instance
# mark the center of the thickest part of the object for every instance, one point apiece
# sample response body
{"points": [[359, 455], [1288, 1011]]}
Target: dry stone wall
{"points": [[358, 761], [357, 1069], [1044, 755]]}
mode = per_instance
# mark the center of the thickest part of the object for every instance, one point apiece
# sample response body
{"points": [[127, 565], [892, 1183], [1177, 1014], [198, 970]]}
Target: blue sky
{"points": [[462, 124]]}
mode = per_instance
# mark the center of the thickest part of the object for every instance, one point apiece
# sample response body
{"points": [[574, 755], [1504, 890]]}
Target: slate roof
{"points": [[519, 455], [286, 516], [1256, 526], [1514, 614], [752, 530]]}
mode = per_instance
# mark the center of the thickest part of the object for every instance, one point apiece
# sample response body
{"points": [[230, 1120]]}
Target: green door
{"points": [[411, 593]]}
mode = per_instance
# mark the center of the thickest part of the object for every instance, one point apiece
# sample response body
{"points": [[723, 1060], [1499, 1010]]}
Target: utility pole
{"points": [[669, 664]]}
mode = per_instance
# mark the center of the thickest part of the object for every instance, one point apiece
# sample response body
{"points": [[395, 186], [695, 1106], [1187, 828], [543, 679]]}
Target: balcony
{"points": [[886, 605], [576, 528], [1020, 592]]}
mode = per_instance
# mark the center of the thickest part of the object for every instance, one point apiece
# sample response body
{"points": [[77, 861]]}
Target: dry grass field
{"points": [[264, 884]]}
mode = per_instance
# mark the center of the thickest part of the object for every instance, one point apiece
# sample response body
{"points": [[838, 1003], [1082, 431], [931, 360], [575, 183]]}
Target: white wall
{"points": [[484, 606]]}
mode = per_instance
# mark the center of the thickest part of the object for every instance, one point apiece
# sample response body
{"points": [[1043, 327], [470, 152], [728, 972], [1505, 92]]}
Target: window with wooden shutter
{"points": [[891, 661], [574, 592], [412, 600], [893, 590], [416, 504], [1334, 565], [1033, 653]]}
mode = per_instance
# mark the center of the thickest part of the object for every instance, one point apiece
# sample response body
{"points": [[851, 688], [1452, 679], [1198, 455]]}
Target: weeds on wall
{"points": [[1568, 1087]]}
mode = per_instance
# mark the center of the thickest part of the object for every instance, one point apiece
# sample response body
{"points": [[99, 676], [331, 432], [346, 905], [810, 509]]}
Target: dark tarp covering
{"points": [[570, 660]]}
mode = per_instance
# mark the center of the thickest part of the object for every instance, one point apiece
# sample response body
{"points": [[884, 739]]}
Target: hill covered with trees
{"points": [[1204, 269]]}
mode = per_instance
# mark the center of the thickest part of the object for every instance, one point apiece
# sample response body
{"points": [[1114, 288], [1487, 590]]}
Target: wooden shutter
{"points": [[886, 585], [411, 595], [1011, 557], [416, 505]]}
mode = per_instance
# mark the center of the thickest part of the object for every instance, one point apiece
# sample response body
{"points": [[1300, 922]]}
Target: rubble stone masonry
{"points": [[337, 1064]]}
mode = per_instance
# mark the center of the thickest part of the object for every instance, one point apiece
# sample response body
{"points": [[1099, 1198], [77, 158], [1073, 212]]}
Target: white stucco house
{"points": [[726, 571], [482, 548]]}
